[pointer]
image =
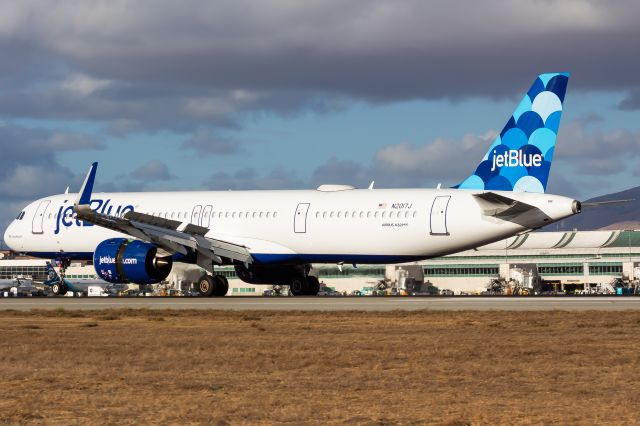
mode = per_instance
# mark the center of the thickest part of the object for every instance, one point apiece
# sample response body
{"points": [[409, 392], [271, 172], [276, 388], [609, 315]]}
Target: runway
{"points": [[606, 303]]}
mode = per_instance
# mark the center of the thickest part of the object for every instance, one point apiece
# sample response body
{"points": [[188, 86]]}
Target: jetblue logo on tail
{"points": [[515, 158], [520, 157]]}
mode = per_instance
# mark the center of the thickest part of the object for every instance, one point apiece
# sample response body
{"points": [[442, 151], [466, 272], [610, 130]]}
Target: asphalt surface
{"points": [[606, 303]]}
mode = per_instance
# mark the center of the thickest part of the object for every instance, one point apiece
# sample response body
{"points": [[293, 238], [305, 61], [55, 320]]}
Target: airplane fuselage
{"points": [[295, 227]]}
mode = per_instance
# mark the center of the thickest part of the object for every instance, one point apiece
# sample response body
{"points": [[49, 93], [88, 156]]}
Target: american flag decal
{"points": [[382, 205]]}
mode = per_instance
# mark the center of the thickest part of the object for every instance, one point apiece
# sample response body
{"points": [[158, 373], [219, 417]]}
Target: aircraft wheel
{"points": [[298, 286], [221, 287], [59, 289], [206, 286], [314, 285]]}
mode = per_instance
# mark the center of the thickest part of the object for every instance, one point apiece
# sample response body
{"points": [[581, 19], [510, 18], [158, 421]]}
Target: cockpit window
{"points": [[20, 216]]}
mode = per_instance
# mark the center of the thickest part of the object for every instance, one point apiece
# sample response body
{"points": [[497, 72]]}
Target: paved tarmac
{"points": [[606, 303]]}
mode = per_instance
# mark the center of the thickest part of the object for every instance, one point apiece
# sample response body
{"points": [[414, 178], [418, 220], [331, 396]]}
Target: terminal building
{"points": [[540, 261]]}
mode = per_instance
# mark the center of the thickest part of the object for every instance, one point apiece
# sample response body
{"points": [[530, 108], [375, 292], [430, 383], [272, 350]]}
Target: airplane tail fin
{"points": [[520, 157], [52, 275]]}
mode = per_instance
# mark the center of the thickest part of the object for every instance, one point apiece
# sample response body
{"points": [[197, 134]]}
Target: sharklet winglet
{"points": [[84, 196]]}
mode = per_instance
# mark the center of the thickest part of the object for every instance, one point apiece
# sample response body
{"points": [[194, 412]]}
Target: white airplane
{"points": [[272, 237], [59, 285]]}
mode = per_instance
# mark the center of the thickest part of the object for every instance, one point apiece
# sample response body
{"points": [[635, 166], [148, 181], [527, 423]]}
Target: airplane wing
{"points": [[169, 235], [505, 208]]}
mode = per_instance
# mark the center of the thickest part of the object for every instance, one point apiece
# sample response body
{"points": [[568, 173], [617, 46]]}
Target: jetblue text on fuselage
{"points": [[65, 219], [108, 260], [515, 158]]}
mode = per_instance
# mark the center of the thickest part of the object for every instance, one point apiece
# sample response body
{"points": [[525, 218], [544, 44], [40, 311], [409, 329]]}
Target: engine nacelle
{"points": [[119, 260], [269, 274]]}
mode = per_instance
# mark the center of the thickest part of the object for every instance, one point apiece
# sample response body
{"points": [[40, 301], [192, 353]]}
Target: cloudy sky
{"points": [[291, 94]]}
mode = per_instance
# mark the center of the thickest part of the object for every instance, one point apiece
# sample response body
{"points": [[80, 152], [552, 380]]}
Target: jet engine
{"points": [[119, 260]]}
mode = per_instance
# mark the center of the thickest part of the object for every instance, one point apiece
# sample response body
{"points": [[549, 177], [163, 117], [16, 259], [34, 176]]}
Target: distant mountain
{"points": [[616, 216]]}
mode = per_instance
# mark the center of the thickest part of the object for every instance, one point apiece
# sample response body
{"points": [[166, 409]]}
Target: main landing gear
{"points": [[304, 286], [216, 286], [59, 289]]}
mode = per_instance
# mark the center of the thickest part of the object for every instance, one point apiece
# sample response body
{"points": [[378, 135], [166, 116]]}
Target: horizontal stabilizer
{"points": [[508, 209], [498, 205]]}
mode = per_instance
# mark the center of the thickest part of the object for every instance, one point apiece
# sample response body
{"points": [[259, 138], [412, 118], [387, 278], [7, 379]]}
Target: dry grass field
{"points": [[188, 367]]}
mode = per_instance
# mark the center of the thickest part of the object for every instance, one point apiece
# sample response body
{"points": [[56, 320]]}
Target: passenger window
{"points": [[275, 214], [406, 213], [384, 214], [226, 215], [268, 215], [324, 215], [375, 214], [240, 215], [415, 213], [353, 215], [317, 215], [391, 214], [260, 215], [254, 215], [368, 214], [331, 215], [361, 214], [172, 214], [339, 215], [233, 215]]}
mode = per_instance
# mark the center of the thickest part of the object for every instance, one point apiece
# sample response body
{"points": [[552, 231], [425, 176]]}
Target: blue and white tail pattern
{"points": [[52, 275], [520, 157]]}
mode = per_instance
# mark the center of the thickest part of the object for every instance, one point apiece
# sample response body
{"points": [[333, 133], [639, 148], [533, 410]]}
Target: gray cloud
{"points": [[29, 167], [152, 170], [209, 143], [591, 151], [249, 178], [631, 101], [340, 172], [157, 64]]}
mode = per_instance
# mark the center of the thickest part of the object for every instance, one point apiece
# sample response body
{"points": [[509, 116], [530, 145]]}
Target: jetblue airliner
{"points": [[272, 237]]}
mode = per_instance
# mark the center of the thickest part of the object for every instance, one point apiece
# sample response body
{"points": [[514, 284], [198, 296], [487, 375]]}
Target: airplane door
{"points": [[195, 215], [439, 215], [300, 219], [206, 216], [38, 217]]}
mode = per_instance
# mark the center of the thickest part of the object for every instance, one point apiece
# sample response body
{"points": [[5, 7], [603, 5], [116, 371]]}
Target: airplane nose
{"points": [[6, 238]]}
